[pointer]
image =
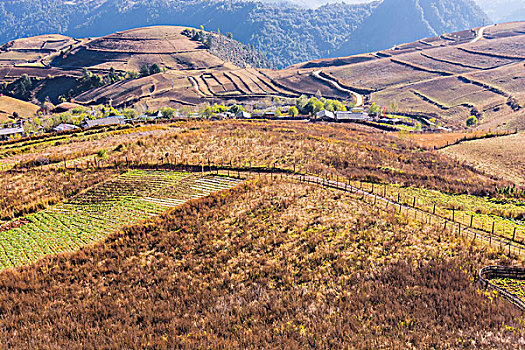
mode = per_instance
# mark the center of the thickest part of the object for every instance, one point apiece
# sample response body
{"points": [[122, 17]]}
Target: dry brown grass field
{"points": [[438, 140], [271, 263], [343, 150], [268, 264], [501, 156], [9, 105]]}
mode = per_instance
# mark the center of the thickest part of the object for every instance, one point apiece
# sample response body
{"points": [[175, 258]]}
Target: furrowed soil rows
{"points": [[89, 217]]}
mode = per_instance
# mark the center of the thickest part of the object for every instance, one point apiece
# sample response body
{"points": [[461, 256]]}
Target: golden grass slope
{"points": [[9, 105], [270, 264], [500, 156]]}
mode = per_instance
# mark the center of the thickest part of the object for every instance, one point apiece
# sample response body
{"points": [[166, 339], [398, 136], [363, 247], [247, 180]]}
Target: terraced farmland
{"points": [[126, 199]]}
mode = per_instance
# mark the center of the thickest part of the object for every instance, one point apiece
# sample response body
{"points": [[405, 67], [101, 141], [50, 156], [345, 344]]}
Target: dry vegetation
{"points": [[9, 105], [501, 156], [24, 192], [439, 140], [352, 152], [267, 265]]}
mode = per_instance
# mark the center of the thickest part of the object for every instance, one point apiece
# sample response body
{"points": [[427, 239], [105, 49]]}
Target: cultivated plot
{"points": [[127, 199]]}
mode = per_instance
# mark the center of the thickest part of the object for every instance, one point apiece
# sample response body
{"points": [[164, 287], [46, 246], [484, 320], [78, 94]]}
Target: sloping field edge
{"points": [[488, 272]]}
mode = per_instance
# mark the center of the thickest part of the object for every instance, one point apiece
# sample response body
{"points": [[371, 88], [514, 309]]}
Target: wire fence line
{"points": [[382, 201], [354, 187]]}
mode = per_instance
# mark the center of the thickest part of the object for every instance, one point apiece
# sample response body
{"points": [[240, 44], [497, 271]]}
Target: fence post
{"points": [[514, 234], [471, 220]]}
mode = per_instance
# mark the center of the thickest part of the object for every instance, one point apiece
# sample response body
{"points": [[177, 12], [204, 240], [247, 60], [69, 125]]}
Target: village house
{"points": [[351, 116], [269, 114], [65, 127], [11, 133], [324, 114], [88, 123], [243, 115]]}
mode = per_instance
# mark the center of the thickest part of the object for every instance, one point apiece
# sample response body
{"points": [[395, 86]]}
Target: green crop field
{"points": [[516, 287], [89, 217], [507, 216]]}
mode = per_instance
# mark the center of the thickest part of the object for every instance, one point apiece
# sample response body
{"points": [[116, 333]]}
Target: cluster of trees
{"points": [[204, 38], [312, 105], [90, 80], [228, 49], [21, 88], [513, 103], [147, 70], [210, 111]]}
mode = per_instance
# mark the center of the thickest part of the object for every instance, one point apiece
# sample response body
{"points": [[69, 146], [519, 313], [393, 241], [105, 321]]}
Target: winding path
{"points": [[335, 84], [480, 33]]}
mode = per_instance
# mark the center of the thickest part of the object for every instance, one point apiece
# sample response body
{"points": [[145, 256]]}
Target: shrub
{"points": [[472, 121]]}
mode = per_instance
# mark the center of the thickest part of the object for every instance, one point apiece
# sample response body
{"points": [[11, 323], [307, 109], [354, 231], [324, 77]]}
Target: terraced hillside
{"points": [[129, 198], [450, 77], [189, 72], [476, 72]]}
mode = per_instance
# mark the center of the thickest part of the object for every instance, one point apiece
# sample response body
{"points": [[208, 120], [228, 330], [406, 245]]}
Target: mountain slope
{"points": [[285, 34], [401, 21]]}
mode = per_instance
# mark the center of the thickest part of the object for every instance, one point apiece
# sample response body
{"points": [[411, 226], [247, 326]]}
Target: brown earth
{"points": [[446, 77]]}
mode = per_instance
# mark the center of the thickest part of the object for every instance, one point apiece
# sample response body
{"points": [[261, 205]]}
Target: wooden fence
{"points": [[489, 272]]}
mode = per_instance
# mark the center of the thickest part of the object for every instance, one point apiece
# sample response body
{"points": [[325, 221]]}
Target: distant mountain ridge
{"points": [[284, 33], [401, 21]]}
